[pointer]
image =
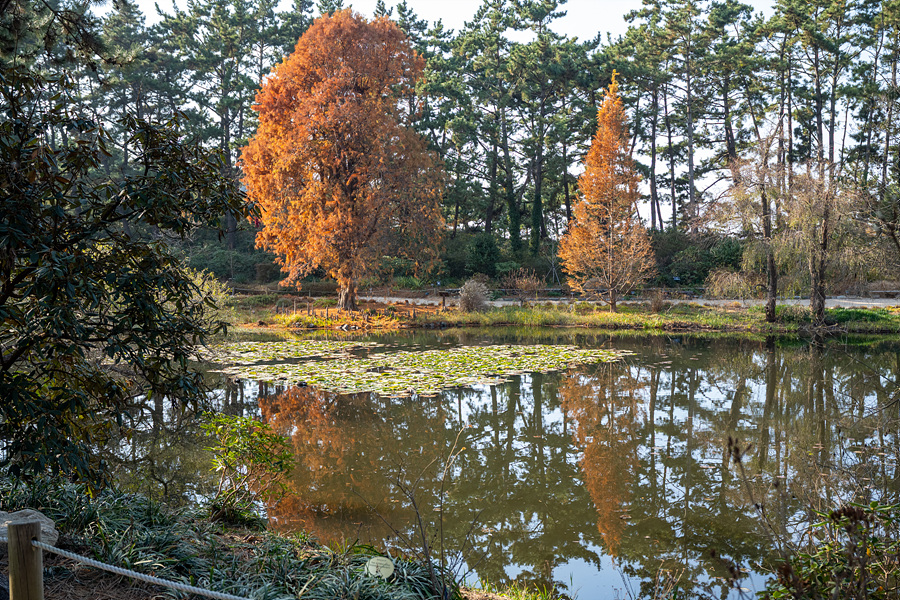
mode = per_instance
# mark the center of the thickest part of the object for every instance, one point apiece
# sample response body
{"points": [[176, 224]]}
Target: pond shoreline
{"points": [[179, 543], [732, 318]]}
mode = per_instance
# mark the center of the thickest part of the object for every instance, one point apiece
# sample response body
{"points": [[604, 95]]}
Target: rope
{"points": [[181, 587]]}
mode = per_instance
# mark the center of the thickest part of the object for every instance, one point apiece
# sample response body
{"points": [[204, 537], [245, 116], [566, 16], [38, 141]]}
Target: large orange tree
{"points": [[338, 175], [606, 250]]}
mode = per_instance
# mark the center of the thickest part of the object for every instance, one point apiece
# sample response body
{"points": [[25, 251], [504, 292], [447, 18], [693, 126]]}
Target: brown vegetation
{"points": [[606, 250], [339, 176]]}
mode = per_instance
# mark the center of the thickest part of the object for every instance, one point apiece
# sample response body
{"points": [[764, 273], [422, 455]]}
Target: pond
{"points": [[600, 479]]}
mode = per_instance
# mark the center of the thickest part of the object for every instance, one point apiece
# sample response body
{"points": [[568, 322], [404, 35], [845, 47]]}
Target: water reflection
{"points": [[564, 475]]}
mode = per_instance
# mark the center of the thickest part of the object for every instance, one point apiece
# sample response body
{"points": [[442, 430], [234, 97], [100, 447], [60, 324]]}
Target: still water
{"points": [[604, 480]]}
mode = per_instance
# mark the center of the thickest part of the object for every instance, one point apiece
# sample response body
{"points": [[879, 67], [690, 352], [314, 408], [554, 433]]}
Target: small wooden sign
{"points": [[380, 567]]}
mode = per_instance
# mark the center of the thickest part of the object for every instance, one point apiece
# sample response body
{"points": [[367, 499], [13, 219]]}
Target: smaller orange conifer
{"points": [[606, 250]]}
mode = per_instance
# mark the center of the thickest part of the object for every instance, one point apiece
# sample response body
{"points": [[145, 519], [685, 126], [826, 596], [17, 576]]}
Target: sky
{"points": [[584, 19]]}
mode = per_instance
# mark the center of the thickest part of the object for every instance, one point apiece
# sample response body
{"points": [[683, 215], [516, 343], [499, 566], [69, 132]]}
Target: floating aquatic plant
{"points": [[397, 373], [253, 352]]}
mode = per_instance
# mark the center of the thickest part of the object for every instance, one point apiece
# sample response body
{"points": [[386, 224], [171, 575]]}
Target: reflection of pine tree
{"points": [[520, 486], [605, 409], [522, 483]]}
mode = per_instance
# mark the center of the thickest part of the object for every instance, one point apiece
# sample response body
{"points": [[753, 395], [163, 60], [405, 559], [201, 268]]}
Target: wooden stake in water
{"points": [[26, 563]]}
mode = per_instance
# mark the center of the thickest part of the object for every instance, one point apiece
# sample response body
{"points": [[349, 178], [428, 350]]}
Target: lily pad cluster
{"points": [[399, 373], [253, 352]]}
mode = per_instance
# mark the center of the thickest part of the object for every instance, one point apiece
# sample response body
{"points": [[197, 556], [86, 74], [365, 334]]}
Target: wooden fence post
{"points": [[26, 563]]}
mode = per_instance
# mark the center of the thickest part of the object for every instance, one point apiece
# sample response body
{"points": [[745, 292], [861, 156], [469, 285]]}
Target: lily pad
{"points": [[244, 352], [398, 373]]}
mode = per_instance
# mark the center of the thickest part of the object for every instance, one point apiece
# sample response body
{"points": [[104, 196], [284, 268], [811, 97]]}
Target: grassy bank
{"points": [[733, 318], [676, 317]]}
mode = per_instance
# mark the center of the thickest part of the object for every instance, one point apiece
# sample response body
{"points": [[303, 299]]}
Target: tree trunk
{"points": [[455, 214], [537, 207], [515, 239], [492, 191], [817, 264], [817, 294], [820, 127], [889, 122], [771, 271], [771, 283], [671, 150], [230, 219], [565, 175], [347, 296], [693, 212], [654, 199], [789, 154], [537, 210], [730, 144]]}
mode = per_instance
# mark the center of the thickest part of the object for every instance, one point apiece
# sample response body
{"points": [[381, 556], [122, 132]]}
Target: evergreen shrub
{"points": [[483, 255]]}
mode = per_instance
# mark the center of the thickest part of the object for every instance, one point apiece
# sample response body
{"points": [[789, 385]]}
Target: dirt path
{"points": [[839, 301]]}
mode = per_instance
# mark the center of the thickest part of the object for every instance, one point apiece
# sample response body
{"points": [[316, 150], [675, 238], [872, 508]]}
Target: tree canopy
{"points": [[337, 172], [508, 104], [96, 309]]}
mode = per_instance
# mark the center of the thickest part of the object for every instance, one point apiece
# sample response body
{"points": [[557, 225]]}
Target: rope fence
{"points": [[31, 568]]}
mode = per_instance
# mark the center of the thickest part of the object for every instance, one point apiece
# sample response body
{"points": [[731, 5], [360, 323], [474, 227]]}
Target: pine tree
{"points": [[607, 250], [538, 66], [294, 24], [329, 7], [485, 120], [381, 10]]}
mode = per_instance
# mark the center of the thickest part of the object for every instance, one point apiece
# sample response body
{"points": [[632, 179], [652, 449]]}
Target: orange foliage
{"points": [[606, 249], [604, 408], [328, 453], [344, 480], [338, 175]]}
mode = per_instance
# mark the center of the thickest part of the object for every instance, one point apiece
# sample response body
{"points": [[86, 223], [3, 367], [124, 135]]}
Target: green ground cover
{"points": [[184, 545]]}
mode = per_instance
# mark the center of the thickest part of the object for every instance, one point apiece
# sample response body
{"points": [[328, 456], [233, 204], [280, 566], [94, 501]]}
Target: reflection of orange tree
{"points": [[605, 407], [343, 480], [324, 450]]}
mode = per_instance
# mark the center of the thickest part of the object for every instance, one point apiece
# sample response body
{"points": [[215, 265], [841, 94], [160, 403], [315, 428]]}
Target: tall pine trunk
{"points": [[817, 264], [512, 208], [654, 197]]}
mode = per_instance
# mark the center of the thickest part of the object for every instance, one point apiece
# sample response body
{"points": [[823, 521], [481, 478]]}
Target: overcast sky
{"points": [[584, 18]]}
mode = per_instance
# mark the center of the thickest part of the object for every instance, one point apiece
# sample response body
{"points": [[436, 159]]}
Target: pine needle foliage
{"points": [[606, 250]]}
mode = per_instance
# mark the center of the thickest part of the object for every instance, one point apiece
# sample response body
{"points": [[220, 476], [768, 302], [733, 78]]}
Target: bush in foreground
{"points": [[855, 555], [131, 531]]}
